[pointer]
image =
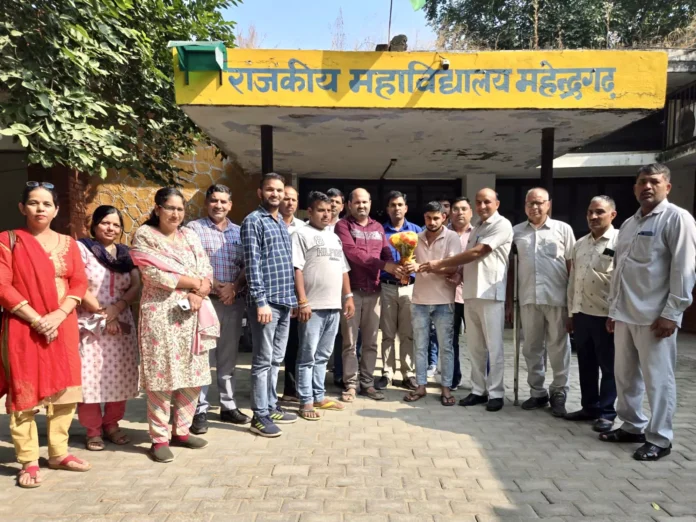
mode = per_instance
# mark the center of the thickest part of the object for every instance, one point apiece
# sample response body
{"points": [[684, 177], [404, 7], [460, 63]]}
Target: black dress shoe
{"points": [[472, 399], [602, 425], [199, 426], [382, 382], [558, 400], [534, 403], [494, 405], [580, 415], [234, 417], [649, 451]]}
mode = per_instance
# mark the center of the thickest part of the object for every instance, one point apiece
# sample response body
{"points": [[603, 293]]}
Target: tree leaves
{"points": [[89, 83]]}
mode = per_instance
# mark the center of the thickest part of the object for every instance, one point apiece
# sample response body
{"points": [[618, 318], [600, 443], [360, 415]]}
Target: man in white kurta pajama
{"points": [[652, 284]]}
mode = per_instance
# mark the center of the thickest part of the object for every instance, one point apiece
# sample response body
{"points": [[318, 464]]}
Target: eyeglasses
{"points": [[167, 208], [532, 204], [35, 184]]}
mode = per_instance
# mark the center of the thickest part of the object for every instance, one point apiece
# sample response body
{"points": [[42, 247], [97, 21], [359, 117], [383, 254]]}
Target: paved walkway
{"points": [[378, 462]]}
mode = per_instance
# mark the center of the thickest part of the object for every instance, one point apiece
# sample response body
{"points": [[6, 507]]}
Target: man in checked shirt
{"points": [[271, 302], [222, 242]]}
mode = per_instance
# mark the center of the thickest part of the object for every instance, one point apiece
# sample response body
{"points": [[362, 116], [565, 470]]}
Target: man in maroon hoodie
{"points": [[366, 248]]}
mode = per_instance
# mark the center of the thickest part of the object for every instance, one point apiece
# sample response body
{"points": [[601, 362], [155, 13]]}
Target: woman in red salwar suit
{"points": [[42, 280]]}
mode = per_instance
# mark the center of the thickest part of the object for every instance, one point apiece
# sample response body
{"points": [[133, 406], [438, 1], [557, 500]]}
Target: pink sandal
{"points": [[32, 472], [63, 464]]}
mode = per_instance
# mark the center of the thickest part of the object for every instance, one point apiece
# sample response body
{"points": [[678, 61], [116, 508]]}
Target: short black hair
{"points": [[335, 193], [161, 197], [100, 213], [655, 169], [395, 194], [459, 199], [316, 196], [443, 197], [212, 189], [434, 206], [270, 176], [29, 189]]}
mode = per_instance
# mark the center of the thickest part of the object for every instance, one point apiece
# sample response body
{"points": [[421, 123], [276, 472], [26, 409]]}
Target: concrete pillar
{"points": [[472, 183], [682, 193]]}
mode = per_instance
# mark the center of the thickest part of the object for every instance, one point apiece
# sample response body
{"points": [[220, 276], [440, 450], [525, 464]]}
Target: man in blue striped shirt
{"points": [[271, 301]]}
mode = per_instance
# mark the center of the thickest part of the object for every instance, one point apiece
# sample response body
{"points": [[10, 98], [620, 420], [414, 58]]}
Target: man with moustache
{"points": [[460, 222], [271, 302], [288, 207], [655, 265], [592, 265], [222, 242], [337, 204], [323, 291], [367, 250], [544, 247], [485, 277], [396, 302], [433, 301]]}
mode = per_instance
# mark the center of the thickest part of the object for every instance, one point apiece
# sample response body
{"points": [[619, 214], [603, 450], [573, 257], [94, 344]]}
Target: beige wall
{"points": [[13, 173]]}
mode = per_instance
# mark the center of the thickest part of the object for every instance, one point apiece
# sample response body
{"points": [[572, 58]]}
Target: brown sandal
{"points": [[94, 443], [348, 395], [413, 397], [118, 437]]}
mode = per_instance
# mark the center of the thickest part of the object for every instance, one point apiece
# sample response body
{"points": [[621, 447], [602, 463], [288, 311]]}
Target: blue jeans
{"points": [[269, 341], [338, 358], [442, 316], [316, 343]]}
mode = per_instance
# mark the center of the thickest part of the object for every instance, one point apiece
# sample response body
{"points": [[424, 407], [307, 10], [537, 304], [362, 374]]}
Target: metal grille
{"points": [[680, 121]]}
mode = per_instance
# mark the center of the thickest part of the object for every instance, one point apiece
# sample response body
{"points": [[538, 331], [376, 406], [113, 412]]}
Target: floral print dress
{"points": [[167, 332]]}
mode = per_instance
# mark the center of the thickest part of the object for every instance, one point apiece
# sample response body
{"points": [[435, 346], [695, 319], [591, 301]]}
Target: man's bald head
{"points": [[359, 204], [486, 203]]}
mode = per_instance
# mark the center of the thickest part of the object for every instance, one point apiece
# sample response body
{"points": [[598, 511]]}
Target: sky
{"points": [[306, 24]]}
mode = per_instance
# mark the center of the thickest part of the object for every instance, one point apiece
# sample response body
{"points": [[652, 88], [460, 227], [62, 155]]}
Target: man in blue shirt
{"points": [[396, 303], [271, 301]]}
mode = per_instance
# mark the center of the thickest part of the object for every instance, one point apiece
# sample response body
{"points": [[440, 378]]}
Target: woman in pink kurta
{"points": [[108, 345]]}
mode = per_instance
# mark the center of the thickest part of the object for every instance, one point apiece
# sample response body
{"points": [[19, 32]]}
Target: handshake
{"points": [[410, 267]]}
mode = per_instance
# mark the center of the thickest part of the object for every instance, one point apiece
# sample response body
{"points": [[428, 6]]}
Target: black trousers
{"points": [[595, 351], [290, 386]]}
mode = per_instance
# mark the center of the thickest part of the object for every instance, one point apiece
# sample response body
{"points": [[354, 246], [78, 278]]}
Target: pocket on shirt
{"points": [[603, 264], [550, 248], [642, 248]]}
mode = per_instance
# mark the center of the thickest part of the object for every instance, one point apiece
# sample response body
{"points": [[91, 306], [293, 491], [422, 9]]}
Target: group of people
{"points": [[69, 337]]}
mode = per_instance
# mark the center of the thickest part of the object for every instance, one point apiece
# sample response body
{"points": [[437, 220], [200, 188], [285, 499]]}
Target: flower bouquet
{"points": [[405, 243]]}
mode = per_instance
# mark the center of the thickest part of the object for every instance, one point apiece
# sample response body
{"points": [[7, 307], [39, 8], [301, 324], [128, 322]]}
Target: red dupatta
{"points": [[33, 369]]}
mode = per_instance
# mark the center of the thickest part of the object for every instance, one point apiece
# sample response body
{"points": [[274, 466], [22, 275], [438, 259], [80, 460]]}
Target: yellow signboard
{"points": [[432, 80]]}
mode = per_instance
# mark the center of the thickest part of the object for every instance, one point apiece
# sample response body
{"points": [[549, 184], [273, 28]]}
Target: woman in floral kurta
{"points": [[174, 360]]}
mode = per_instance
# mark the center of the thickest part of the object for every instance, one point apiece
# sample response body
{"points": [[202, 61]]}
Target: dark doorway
{"points": [[418, 193]]}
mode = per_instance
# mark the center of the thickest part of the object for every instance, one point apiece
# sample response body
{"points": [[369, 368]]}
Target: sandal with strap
{"points": [[621, 436], [63, 464], [348, 395], [310, 415], [447, 401], [118, 437], [413, 397], [94, 443], [32, 471], [329, 405]]}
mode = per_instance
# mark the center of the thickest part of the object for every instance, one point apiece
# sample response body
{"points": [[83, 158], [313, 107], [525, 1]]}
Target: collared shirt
{"points": [[224, 248], [464, 240], [590, 276], [268, 259], [543, 271], [389, 231], [434, 289], [486, 278], [655, 266], [367, 251], [294, 224]]}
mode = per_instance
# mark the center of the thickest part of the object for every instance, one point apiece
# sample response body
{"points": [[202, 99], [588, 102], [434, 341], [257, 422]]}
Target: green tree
{"points": [[556, 24], [88, 83]]}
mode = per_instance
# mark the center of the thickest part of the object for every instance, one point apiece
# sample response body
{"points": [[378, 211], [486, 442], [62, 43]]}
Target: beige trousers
{"points": [[366, 319], [396, 320], [25, 436]]}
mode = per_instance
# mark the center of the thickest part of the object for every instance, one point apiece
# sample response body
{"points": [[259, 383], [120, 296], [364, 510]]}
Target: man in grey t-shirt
{"points": [[323, 289]]}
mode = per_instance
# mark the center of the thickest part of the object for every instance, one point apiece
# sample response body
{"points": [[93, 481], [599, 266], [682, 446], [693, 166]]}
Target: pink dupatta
{"points": [[208, 323]]}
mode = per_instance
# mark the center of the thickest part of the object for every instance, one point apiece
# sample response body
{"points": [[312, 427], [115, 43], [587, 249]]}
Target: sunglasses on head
{"points": [[43, 184]]}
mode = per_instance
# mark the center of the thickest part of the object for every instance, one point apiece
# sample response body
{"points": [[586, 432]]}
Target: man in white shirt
{"points": [[338, 201], [592, 265], [433, 300], [323, 290], [544, 247], [288, 207], [655, 268], [485, 274]]}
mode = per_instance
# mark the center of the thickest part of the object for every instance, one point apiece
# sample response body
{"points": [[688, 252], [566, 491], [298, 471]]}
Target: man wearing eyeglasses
{"points": [[545, 248]]}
